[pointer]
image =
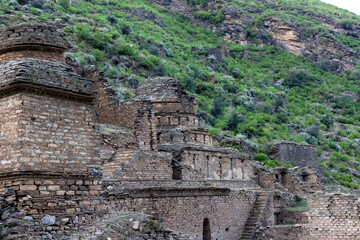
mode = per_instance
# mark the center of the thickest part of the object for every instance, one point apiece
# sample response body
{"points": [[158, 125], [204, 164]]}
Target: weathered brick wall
{"points": [[176, 120], [32, 34], [52, 204], [205, 163], [145, 128], [10, 136], [333, 216], [58, 135], [300, 181], [139, 165], [168, 96], [286, 232], [177, 135], [297, 155], [45, 73], [184, 210], [110, 109], [135, 183], [48, 55]]}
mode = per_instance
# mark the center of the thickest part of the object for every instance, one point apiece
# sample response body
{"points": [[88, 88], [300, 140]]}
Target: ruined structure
{"points": [[71, 152], [297, 155]]}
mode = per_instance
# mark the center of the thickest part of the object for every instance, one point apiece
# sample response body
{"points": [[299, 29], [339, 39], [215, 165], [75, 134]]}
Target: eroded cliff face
{"points": [[274, 30]]}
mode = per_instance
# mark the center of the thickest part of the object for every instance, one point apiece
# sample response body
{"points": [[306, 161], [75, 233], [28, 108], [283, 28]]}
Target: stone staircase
{"points": [[255, 215], [121, 157]]}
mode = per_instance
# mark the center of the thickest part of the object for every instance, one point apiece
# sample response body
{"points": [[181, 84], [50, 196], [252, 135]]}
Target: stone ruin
{"points": [[71, 152]]}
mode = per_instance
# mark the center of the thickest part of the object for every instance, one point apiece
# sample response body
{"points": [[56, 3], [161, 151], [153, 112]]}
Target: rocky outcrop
{"points": [[273, 30]]}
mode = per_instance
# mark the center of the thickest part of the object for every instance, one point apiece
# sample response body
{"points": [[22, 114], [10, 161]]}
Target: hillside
{"points": [[264, 71]]}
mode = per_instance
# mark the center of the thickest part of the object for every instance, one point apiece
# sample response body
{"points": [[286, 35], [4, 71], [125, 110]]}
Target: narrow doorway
{"points": [[206, 230]]}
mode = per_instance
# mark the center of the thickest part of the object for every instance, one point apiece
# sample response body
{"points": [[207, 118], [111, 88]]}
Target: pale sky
{"points": [[350, 5]]}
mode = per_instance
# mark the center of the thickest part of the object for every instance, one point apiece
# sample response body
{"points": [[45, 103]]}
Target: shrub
{"points": [[309, 139], [218, 106], [314, 131], [355, 75], [343, 168], [99, 55], [266, 108], [189, 83], [327, 173], [261, 157], [345, 158], [324, 165], [273, 163], [333, 164], [64, 3], [112, 73], [324, 64], [82, 31], [101, 39], [297, 77], [126, 29], [328, 121], [214, 17], [113, 20], [151, 61], [279, 103], [37, 3], [282, 117], [126, 49], [234, 120], [347, 25]]}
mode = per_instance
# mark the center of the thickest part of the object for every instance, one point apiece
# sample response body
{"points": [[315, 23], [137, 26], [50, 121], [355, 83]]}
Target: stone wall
{"points": [[300, 181], [15, 37], [52, 204], [184, 210], [168, 96], [10, 108], [211, 163], [35, 72], [297, 155], [139, 165], [287, 232], [178, 135], [333, 216], [110, 109], [56, 134]]}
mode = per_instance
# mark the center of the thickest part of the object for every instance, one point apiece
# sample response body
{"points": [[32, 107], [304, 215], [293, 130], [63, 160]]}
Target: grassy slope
{"points": [[252, 97]]}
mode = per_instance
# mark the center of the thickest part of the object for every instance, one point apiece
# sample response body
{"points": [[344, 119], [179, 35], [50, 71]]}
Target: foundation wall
{"points": [[51, 204], [185, 214]]}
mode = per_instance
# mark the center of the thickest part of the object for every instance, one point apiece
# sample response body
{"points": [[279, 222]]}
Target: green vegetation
{"points": [[300, 205], [256, 93]]}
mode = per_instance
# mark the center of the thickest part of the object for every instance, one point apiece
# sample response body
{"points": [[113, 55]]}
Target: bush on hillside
{"points": [[297, 77]]}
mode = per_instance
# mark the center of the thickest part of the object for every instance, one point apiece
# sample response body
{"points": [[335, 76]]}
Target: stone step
{"points": [[259, 205]]}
